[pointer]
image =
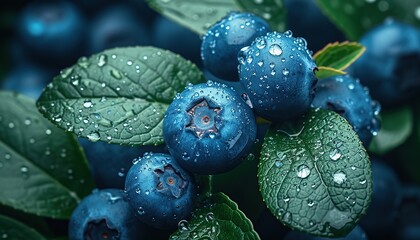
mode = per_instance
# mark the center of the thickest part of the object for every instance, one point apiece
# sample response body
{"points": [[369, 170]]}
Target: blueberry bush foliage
{"points": [[313, 174]]}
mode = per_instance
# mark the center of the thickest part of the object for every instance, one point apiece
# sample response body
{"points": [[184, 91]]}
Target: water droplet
{"points": [[335, 155], [288, 33], [141, 211], [48, 131], [129, 63], [285, 72], [7, 156], [260, 63], [102, 59], [362, 181], [24, 169], [87, 104], [27, 122], [210, 217], [183, 226], [303, 171], [11, 125], [275, 50], [261, 43], [116, 74], [83, 62], [339, 177], [310, 203], [94, 136], [147, 192], [278, 164]]}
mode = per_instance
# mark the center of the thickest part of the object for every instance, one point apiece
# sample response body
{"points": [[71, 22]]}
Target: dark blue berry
{"points": [[390, 65], [310, 26], [381, 216], [160, 191], [117, 26], [27, 79], [277, 71], [109, 163], [52, 31], [208, 128], [224, 39], [171, 36], [105, 214], [347, 97]]}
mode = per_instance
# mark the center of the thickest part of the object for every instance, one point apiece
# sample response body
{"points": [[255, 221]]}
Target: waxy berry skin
{"points": [[224, 39], [160, 191], [278, 73], [208, 128], [105, 214]]}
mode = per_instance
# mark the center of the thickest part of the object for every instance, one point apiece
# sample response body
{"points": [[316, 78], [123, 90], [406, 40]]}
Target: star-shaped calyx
{"points": [[170, 182], [203, 118]]}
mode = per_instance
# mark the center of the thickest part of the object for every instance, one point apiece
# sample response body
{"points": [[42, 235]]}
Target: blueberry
{"points": [[109, 163], [176, 38], [27, 79], [309, 26], [347, 97], [277, 71], [105, 214], [390, 65], [208, 128], [224, 39], [52, 31], [380, 218], [117, 26], [356, 234], [160, 191]]}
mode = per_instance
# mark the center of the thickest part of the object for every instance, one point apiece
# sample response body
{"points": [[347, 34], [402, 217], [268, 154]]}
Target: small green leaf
{"points": [[396, 127], [339, 55], [15, 230], [326, 72], [355, 17], [217, 218], [273, 11], [315, 175], [118, 96], [195, 15], [43, 170]]}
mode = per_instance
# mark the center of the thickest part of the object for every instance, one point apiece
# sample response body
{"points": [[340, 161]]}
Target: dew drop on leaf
{"points": [[303, 171]]}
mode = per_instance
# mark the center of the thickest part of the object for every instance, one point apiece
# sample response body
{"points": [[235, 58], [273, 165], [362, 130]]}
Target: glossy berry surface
{"points": [[390, 65], [160, 191], [222, 42], [208, 128], [347, 97], [52, 31], [104, 214], [117, 26], [277, 71]]}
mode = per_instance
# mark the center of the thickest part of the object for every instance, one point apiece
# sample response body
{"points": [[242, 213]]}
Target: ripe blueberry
{"points": [[52, 31], [390, 65], [160, 191], [109, 163], [105, 214], [347, 97], [386, 198], [117, 26], [27, 79], [277, 71], [224, 39], [165, 33], [208, 128]]}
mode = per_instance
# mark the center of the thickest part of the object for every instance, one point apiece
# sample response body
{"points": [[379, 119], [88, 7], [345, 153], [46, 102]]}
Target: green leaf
{"points": [[325, 72], [43, 170], [273, 11], [396, 127], [217, 218], [118, 96], [198, 16], [355, 17], [12, 229], [339, 55], [315, 175]]}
